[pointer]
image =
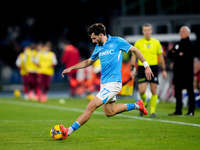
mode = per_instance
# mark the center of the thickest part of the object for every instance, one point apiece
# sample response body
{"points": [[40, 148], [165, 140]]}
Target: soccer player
{"points": [[39, 48], [46, 61], [152, 51], [109, 50], [32, 69], [20, 63]]}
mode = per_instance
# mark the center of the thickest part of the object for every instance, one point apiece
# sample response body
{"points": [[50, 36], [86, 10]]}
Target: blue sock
{"points": [[130, 107], [75, 125]]}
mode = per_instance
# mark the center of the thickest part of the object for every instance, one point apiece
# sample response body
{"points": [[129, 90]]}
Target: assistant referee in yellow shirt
{"points": [[152, 51]]}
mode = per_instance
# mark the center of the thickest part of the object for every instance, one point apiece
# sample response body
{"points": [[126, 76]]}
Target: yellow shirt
{"points": [[46, 61], [150, 50], [20, 62], [97, 66], [29, 59]]}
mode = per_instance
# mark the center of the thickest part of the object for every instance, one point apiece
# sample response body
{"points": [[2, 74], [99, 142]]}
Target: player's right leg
{"points": [[82, 119]]}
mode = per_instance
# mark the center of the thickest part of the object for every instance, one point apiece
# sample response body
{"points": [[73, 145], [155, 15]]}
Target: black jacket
{"points": [[182, 54]]}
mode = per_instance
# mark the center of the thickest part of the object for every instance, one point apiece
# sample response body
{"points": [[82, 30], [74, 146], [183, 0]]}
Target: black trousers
{"points": [[179, 86]]}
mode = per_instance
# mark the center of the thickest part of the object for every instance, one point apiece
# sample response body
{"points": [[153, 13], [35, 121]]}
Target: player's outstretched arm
{"points": [[82, 64], [148, 71]]}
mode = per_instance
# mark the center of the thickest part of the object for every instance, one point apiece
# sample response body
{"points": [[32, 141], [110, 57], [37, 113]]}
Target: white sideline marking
{"points": [[96, 112], [13, 121]]}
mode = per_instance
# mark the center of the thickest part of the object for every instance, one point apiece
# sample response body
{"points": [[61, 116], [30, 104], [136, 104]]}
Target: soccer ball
{"points": [[17, 93], [55, 133]]}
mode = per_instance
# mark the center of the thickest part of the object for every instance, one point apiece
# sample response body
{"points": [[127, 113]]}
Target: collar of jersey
{"points": [[147, 40], [108, 40]]}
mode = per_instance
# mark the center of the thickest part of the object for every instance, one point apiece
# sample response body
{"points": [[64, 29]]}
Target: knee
{"points": [[142, 92], [109, 114], [90, 108]]}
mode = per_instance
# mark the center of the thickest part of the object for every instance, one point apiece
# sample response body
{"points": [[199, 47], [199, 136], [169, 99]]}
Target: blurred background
{"points": [[22, 26]]}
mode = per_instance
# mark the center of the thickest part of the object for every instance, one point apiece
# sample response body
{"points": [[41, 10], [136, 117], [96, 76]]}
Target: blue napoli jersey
{"points": [[110, 55]]}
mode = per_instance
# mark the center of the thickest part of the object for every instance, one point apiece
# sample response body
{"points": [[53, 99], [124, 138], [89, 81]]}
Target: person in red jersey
{"points": [[70, 57]]}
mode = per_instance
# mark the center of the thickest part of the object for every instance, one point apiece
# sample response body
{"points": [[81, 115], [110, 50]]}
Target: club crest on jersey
{"points": [[111, 45], [176, 46], [148, 46]]}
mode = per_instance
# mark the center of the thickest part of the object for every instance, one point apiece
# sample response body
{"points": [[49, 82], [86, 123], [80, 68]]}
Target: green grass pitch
{"points": [[27, 124]]}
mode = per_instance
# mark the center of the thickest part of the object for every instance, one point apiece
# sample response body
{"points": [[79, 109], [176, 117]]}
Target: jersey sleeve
{"points": [[18, 61], [95, 55], [124, 45], [37, 58], [159, 50], [54, 59]]}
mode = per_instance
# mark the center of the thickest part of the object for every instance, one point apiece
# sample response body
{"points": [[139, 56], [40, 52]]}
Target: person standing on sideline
{"points": [[70, 57], [152, 51], [39, 48], [20, 63], [46, 61], [182, 54], [109, 50], [32, 69]]}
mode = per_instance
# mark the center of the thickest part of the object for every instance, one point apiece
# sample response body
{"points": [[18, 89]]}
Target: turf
{"points": [[27, 124]]}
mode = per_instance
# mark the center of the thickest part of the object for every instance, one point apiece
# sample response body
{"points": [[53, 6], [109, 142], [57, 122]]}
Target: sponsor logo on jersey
{"points": [[108, 52]]}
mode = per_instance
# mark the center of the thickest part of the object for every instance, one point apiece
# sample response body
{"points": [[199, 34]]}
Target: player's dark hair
{"points": [[96, 28], [147, 25]]}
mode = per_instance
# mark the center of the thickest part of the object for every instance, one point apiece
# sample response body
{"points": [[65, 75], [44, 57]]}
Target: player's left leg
{"points": [[111, 109], [153, 100]]}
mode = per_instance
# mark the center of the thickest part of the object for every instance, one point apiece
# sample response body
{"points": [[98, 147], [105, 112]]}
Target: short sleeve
{"points": [[95, 55], [124, 45], [160, 49]]}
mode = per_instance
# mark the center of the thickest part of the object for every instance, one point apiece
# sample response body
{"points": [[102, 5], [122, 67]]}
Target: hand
{"points": [[181, 54], [66, 71], [148, 73], [164, 73], [133, 73]]}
